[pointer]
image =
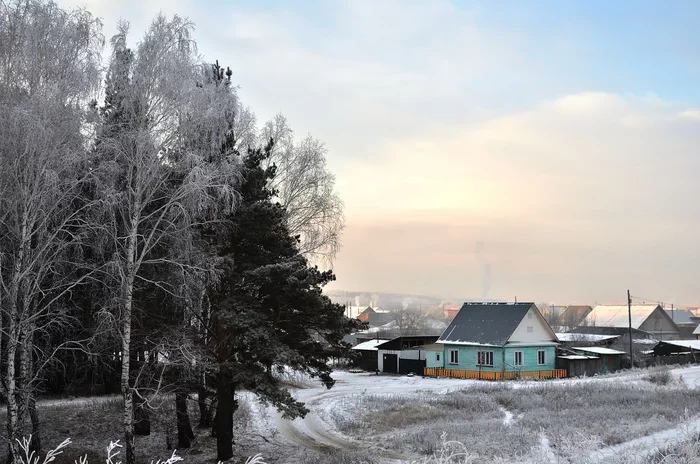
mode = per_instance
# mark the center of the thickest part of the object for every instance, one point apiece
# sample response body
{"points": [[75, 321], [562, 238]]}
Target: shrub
{"points": [[660, 376]]}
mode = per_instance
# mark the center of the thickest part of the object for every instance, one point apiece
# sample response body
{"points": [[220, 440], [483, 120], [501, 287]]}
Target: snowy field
{"points": [[627, 417], [386, 418]]}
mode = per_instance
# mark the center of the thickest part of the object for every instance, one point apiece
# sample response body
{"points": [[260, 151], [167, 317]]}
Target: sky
{"points": [[543, 150]]}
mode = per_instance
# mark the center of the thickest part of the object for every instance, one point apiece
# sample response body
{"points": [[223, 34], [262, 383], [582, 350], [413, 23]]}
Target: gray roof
{"points": [[680, 316], [485, 323]]}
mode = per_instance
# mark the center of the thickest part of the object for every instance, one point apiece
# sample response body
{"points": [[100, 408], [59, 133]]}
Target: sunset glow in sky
{"points": [[541, 149]]}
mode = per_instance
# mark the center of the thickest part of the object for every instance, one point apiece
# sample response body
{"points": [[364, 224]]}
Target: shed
{"points": [[674, 347], [367, 358], [402, 355], [578, 365], [610, 359]]}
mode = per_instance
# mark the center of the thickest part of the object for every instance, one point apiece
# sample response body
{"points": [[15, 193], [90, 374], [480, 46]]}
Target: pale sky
{"points": [[541, 149]]}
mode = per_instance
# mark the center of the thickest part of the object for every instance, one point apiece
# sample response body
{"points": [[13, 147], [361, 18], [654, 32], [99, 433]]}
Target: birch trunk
{"points": [[13, 424], [127, 394], [27, 403], [13, 419]]}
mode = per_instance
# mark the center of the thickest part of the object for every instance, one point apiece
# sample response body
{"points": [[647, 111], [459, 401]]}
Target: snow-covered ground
{"points": [[317, 431]]}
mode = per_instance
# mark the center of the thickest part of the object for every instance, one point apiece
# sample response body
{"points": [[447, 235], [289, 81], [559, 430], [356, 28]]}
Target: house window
{"points": [[530, 329], [529, 315], [541, 357], [454, 356], [437, 356], [484, 358], [518, 358]]}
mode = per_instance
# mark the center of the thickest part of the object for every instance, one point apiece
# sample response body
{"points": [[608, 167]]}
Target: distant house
{"points": [[375, 316], [404, 355], [354, 312], [646, 317], [686, 322], [696, 333], [450, 311], [498, 341], [574, 315]]}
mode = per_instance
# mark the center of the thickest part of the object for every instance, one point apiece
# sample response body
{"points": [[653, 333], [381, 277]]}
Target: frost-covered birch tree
{"points": [[156, 182], [305, 188], [49, 67]]}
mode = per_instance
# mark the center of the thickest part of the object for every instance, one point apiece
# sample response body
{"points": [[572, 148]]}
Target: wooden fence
{"points": [[484, 375]]}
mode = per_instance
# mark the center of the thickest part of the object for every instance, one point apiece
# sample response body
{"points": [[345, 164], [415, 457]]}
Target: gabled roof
{"points": [[680, 316], [485, 323], [617, 315], [574, 314], [696, 331], [690, 344]]}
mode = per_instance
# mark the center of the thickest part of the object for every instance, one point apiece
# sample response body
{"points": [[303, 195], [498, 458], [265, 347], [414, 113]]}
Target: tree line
{"points": [[153, 238]]}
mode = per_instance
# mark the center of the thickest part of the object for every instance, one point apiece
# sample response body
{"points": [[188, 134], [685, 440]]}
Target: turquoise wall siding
{"points": [[503, 358], [431, 359]]}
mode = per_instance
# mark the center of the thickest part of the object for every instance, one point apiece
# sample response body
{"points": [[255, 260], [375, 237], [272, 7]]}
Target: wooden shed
{"points": [[577, 365]]}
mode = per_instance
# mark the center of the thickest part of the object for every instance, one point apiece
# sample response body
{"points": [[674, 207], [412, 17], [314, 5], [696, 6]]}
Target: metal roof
{"points": [[597, 350], [485, 323], [584, 337], [369, 345], [690, 344], [576, 356], [617, 315], [680, 316]]}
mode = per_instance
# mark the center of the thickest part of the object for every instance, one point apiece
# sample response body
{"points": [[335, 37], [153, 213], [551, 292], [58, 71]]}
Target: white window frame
{"points": [[454, 356], [437, 356], [543, 357], [515, 358], [483, 358]]}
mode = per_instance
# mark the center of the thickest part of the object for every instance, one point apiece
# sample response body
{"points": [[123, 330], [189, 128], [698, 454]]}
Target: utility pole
{"points": [[629, 314]]}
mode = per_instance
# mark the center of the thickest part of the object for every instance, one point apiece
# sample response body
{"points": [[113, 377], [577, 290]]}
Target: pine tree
{"points": [[268, 310]]}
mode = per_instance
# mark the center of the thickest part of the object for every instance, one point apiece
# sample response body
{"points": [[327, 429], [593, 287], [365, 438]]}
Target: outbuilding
{"points": [[403, 355]]}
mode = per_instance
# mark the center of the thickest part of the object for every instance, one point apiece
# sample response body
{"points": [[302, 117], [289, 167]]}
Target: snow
{"points": [[370, 345], [575, 356], [317, 431], [618, 315], [508, 417], [584, 337], [597, 350], [691, 344]]}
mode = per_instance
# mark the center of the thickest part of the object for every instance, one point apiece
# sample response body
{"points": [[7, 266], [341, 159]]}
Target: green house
{"points": [[496, 341]]}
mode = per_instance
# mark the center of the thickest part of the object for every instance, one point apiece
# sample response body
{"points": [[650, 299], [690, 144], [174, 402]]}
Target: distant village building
{"points": [[686, 322], [649, 318]]}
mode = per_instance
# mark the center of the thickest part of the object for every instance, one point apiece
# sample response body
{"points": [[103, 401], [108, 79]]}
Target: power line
{"points": [[675, 305]]}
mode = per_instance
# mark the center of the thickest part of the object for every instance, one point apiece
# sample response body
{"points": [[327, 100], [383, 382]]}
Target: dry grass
{"points": [[92, 424], [597, 413]]}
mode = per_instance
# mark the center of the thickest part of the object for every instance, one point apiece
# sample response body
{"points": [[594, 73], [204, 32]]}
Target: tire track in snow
{"points": [[313, 433]]}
